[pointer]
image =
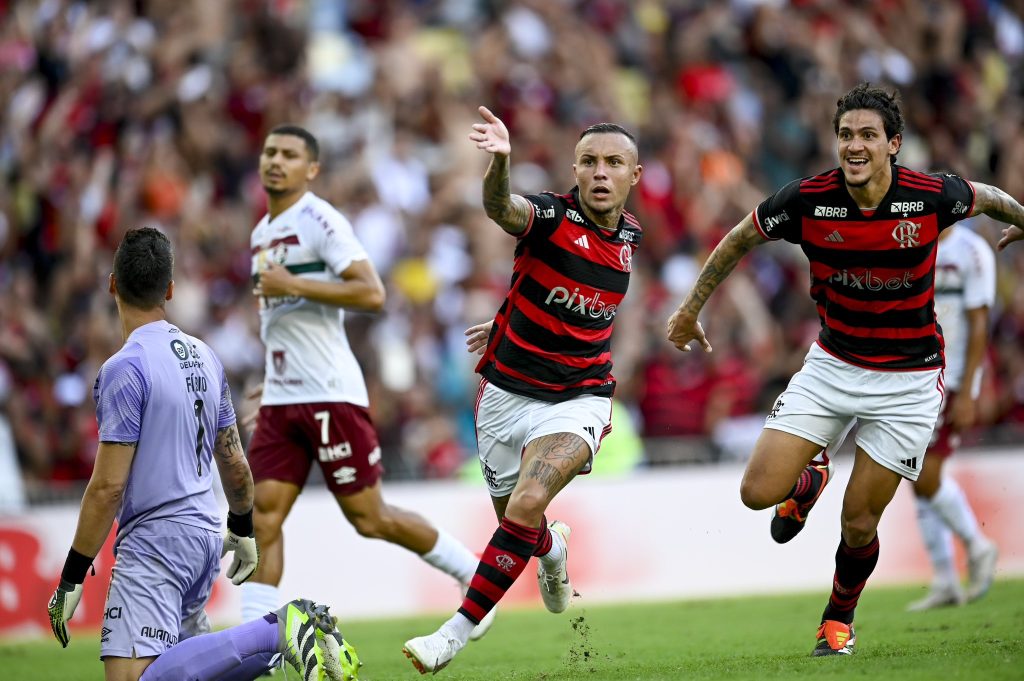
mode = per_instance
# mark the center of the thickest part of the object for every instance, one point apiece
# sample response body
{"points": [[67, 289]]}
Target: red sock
{"points": [[543, 538], [504, 559], [853, 567]]}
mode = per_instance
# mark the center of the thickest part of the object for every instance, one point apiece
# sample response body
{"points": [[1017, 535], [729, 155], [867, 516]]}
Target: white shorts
{"points": [[895, 410], [507, 422]]}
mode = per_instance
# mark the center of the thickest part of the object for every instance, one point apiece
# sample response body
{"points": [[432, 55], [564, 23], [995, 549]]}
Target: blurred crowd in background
{"points": [[123, 113]]}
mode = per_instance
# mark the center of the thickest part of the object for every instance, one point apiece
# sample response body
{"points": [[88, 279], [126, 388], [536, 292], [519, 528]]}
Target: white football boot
{"points": [[432, 653], [981, 569], [555, 587]]}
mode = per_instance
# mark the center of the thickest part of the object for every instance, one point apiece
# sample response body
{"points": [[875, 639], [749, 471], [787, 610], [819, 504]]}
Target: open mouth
{"points": [[601, 192], [857, 162]]}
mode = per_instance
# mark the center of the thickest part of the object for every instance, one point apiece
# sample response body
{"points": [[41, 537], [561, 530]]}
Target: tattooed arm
{"points": [[235, 475], [682, 325], [998, 205], [511, 211]]}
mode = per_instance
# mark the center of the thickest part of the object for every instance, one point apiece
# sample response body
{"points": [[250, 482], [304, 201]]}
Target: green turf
{"points": [[742, 639]]}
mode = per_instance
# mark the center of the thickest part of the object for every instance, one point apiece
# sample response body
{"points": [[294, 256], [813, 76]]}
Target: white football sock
{"points": [[451, 557], [258, 599], [951, 504], [556, 555], [458, 627], [938, 540]]}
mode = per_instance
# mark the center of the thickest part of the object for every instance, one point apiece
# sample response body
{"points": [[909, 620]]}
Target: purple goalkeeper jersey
{"points": [[166, 391]]}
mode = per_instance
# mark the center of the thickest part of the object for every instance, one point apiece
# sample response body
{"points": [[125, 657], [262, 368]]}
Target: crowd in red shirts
{"points": [[123, 113]]}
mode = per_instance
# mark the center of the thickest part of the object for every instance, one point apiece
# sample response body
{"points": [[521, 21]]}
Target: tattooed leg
{"points": [[549, 463]]}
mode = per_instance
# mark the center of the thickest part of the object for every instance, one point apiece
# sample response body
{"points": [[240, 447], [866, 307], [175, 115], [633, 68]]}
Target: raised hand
{"points": [[491, 135]]}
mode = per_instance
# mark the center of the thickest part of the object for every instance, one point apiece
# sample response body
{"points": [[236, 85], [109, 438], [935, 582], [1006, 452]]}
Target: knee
{"points": [[859, 529], [529, 502], [754, 496], [267, 526], [375, 526]]}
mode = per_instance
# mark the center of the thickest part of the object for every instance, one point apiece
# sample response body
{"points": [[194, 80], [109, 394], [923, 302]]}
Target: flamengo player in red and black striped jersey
{"points": [[545, 398], [870, 230]]}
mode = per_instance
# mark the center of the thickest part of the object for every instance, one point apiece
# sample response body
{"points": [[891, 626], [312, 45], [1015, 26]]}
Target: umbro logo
{"points": [[910, 463], [582, 242], [830, 211], [835, 237]]}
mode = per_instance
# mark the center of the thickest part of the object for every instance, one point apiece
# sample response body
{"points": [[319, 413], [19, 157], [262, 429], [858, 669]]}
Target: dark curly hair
{"points": [[875, 99]]}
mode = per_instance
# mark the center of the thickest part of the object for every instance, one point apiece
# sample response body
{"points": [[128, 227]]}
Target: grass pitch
{"points": [[736, 639]]}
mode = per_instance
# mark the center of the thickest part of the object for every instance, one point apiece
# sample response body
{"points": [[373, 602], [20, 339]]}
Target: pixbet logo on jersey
{"points": [[868, 281], [580, 304]]}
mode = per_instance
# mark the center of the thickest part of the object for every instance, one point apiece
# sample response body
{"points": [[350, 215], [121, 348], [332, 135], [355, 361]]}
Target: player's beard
{"points": [[276, 192]]}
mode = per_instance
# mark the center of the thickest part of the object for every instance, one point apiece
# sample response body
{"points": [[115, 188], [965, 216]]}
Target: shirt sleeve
{"points": [[548, 212], [980, 282], [336, 243], [778, 216], [957, 200], [122, 390]]}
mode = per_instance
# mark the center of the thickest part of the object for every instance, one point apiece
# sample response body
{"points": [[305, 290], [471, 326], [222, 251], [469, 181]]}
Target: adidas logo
{"points": [[910, 463], [590, 430], [582, 242], [835, 237]]}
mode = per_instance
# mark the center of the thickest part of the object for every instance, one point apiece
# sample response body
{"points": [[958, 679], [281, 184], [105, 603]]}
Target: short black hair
{"points": [[886, 104], [597, 128], [143, 268], [312, 146]]}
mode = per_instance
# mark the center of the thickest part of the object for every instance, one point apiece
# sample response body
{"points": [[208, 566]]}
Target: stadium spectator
{"points": [[309, 269], [159, 391], [869, 229], [965, 283], [103, 100], [544, 402]]}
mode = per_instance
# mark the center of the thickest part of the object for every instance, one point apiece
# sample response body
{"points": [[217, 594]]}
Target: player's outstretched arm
{"points": [[682, 325], [998, 205], [510, 211], [99, 506]]}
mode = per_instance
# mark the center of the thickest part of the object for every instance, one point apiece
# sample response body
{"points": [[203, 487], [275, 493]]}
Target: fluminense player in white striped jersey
{"points": [[308, 268], [965, 290]]}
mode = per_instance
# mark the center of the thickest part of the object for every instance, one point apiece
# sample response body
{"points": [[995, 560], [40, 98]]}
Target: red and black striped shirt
{"points": [[872, 272], [551, 339]]}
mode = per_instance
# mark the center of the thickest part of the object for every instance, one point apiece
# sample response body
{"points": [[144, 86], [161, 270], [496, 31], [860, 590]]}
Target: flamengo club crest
{"points": [[907, 233], [505, 562], [278, 356], [626, 258]]}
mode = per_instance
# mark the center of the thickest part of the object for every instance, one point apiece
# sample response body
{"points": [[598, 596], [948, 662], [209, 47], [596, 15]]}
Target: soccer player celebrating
{"points": [[165, 416], [965, 289], [309, 268], [544, 401], [869, 229]]}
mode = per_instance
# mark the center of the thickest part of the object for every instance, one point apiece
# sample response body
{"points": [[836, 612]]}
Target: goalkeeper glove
{"points": [[66, 597], [241, 540]]}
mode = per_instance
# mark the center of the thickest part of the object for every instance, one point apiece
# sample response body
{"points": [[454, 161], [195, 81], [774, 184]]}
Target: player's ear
{"points": [[111, 285], [312, 171], [637, 172], [895, 142], [170, 290]]}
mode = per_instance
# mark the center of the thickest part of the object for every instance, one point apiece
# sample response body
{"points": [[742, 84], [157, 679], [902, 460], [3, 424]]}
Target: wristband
{"points": [[240, 524], [75, 567]]}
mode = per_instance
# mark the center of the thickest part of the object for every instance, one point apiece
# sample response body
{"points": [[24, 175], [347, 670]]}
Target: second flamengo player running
{"points": [[309, 268]]}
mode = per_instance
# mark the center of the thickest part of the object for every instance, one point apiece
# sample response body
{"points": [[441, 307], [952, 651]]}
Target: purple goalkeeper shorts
{"points": [[162, 578]]}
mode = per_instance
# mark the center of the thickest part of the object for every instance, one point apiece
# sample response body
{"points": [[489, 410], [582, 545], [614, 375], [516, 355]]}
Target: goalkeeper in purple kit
{"points": [[165, 418]]}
